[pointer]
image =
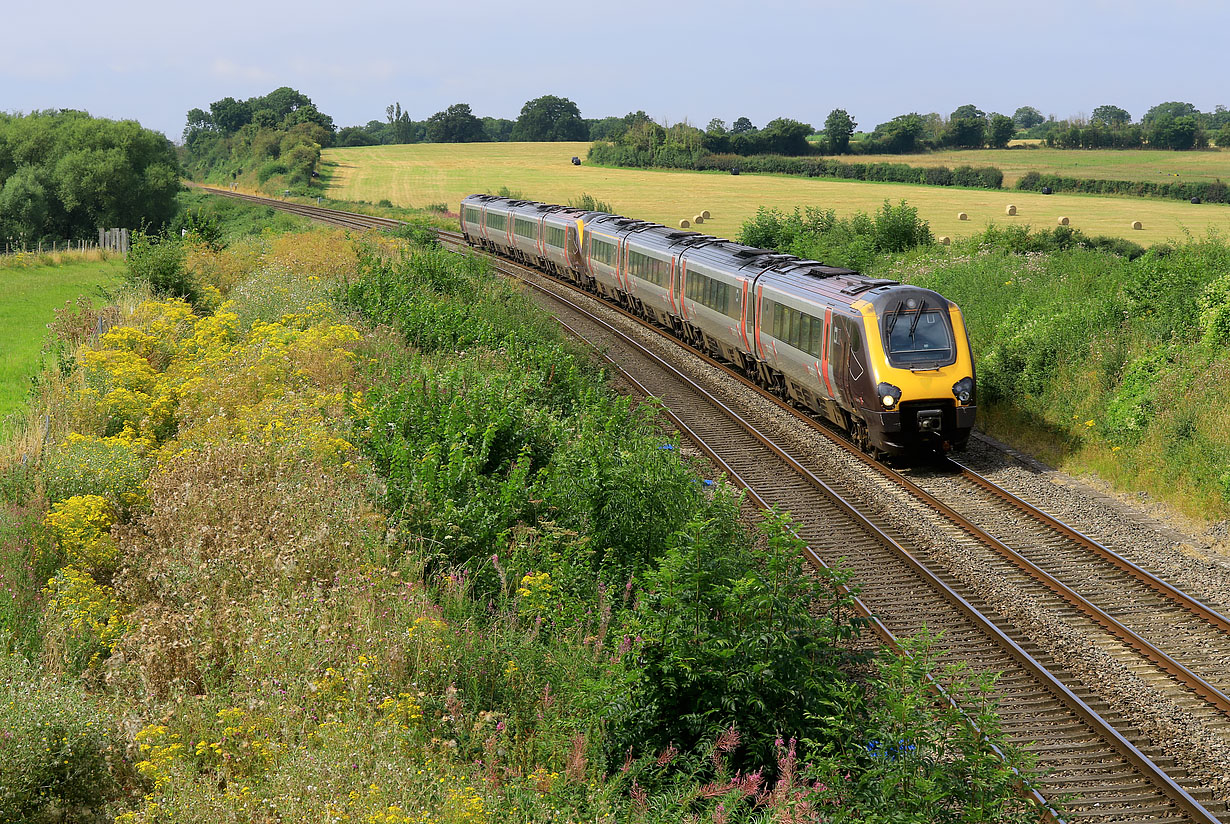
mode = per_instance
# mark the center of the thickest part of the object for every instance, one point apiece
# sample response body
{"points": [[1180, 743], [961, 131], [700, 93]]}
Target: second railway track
{"points": [[1097, 754]]}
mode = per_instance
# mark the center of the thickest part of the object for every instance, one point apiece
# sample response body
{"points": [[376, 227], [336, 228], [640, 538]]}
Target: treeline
{"points": [[63, 174], [276, 137], [1196, 191], [1172, 125], [546, 118]]}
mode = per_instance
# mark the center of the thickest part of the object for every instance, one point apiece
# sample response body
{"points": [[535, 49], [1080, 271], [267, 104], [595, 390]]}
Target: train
{"points": [[887, 362]]}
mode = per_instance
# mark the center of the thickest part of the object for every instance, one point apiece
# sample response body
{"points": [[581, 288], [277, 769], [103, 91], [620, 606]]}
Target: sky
{"points": [[693, 60]]}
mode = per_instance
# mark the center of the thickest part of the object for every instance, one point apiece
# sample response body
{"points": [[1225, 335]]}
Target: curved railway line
{"points": [[1099, 758]]}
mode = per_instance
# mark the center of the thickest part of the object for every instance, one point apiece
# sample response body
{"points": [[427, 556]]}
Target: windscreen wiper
{"points": [[914, 324], [892, 321]]}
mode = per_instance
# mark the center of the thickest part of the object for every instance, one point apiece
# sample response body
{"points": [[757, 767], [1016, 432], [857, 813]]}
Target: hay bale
{"points": [[1136, 224], [683, 224], [962, 216], [944, 240], [1063, 221], [699, 219], [1011, 210], [705, 214]]}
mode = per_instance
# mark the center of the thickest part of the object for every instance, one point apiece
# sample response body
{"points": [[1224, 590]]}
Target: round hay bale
{"points": [[945, 240], [1011, 210], [705, 214], [1063, 221], [699, 219], [962, 216], [683, 224], [1136, 224], [1196, 201], [576, 161]]}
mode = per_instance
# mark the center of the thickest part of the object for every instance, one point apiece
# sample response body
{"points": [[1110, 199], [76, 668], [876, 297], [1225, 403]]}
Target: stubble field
{"points": [[425, 173]]}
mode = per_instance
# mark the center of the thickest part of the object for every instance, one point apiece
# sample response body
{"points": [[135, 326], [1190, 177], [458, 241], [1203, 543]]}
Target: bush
{"points": [[60, 755], [271, 169], [732, 637], [159, 261]]}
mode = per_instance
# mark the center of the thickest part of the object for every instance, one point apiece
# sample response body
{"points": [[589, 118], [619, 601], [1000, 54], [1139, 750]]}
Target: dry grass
{"points": [[419, 174]]}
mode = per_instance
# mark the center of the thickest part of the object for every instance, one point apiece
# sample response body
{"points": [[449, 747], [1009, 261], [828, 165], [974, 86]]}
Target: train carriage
{"points": [[712, 290], [650, 261]]}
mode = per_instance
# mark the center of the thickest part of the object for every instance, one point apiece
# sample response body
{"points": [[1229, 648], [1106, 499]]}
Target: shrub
{"points": [[271, 169], [734, 638], [61, 756], [1215, 311], [159, 261]]}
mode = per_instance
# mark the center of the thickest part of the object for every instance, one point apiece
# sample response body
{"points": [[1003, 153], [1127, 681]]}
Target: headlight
{"points": [[963, 390], [889, 394]]}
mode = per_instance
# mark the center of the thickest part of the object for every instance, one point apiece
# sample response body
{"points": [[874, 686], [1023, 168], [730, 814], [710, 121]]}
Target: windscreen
{"points": [[918, 338]]}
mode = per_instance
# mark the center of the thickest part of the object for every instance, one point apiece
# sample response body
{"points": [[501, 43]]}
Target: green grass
{"points": [[27, 304], [420, 174]]}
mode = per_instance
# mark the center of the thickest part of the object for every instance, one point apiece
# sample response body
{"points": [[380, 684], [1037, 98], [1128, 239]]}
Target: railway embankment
{"points": [[360, 536]]}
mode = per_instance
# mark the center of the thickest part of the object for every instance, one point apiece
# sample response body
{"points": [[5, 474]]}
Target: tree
{"points": [[742, 126], [1000, 130], [356, 136], [24, 206], [456, 124], [787, 137], [1027, 117], [1173, 109], [498, 129], [1111, 116], [902, 134], [229, 115], [550, 118], [967, 127], [1178, 133], [838, 127], [608, 128]]}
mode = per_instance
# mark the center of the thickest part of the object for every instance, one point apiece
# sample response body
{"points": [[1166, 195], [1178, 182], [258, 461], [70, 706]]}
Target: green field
{"points": [[425, 173], [28, 303]]}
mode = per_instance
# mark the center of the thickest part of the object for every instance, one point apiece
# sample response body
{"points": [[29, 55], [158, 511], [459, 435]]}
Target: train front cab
{"points": [[918, 351]]}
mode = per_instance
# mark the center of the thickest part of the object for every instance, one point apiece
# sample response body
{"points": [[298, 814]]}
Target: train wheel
{"points": [[862, 439]]}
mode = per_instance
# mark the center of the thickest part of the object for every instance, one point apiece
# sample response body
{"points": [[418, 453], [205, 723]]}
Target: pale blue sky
{"points": [[694, 59]]}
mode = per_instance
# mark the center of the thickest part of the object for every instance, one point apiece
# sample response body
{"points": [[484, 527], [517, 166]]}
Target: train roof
{"points": [[812, 276]]}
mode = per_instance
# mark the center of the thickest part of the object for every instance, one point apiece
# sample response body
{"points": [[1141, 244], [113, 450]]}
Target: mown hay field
{"points": [[1149, 165], [425, 173], [28, 302]]}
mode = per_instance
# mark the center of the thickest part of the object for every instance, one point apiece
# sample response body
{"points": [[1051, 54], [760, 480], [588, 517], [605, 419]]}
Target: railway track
{"points": [[1097, 755]]}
